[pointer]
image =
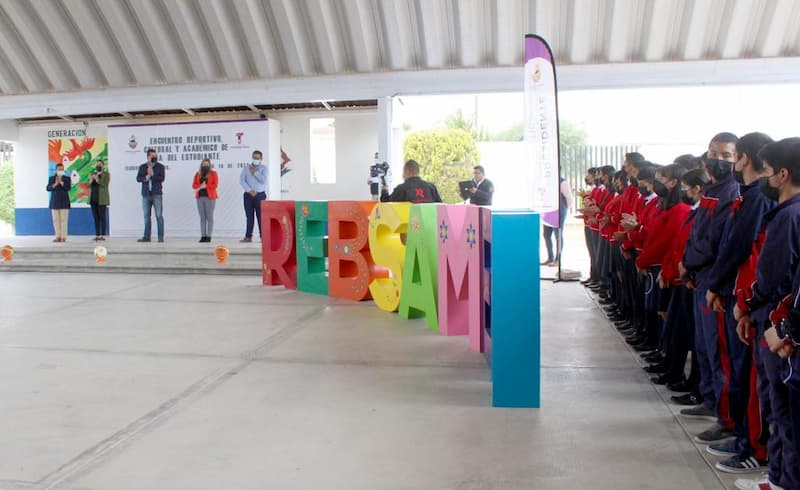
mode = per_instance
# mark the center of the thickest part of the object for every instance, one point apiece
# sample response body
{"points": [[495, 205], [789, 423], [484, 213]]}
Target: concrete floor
{"points": [[115, 381]]}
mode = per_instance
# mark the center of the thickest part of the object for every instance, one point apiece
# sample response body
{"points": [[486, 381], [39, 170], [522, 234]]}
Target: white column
{"points": [[385, 130]]}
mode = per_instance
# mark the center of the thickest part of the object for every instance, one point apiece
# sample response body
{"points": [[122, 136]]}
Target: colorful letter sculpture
{"points": [[460, 267], [279, 257], [468, 270], [515, 310], [420, 272], [387, 222], [351, 268], [312, 246]]}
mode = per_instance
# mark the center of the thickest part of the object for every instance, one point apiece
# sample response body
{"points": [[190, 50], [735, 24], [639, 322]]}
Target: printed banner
{"points": [[181, 147], [541, 129], [78, 156]]}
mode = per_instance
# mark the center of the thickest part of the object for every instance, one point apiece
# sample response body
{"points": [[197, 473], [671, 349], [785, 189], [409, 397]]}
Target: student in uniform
{"points": [[597, 200], [679, 312], [637, 227], [701, 252], [776, 261], [743, 453], [609, 223], [604, 248], [586, 203], [665, 226]]}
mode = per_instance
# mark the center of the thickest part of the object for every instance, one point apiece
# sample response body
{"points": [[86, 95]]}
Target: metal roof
{"points": [[56, 46]]}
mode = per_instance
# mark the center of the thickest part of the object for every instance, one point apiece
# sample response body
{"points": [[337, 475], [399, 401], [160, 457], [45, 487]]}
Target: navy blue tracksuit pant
{"points": [[776, 405]]}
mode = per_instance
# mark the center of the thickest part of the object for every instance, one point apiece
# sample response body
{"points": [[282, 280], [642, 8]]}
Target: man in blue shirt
{"points": [[254, 182], [151, 175]]}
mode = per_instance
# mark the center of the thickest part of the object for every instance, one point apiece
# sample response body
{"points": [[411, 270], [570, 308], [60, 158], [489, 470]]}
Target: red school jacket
{"points": [[664, 230], [669, 268], [645, 213]]}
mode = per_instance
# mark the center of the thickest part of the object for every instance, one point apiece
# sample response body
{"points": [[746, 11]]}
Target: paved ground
{"points": [[119, 381]]}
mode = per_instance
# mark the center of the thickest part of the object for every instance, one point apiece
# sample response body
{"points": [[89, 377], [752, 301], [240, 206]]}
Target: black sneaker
{"points": [[687, 400], [160, 240], [714, 433], [741, 464], [143, 240], [680, 386], [661, 379], [700, 412], [659, 368], [727, 448]]}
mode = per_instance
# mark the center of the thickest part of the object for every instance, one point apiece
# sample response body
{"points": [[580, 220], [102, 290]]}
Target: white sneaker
{"points": [[760, 484]]}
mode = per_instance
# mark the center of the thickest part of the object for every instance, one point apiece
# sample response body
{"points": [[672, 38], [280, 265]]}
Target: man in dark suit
{"points": [[481, 192], [151, 175]]}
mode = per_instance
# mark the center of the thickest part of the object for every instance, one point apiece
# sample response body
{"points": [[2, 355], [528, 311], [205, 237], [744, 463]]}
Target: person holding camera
{"points": [[379, 174], [205, 183], [99, 198], [151, 175], [59, 185]]}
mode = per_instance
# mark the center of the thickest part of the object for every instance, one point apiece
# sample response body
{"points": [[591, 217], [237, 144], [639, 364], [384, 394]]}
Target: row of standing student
{"points": [[703, 256]]}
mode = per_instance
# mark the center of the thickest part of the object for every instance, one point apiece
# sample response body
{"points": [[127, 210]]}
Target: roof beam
{"points": [[360, 35], [396, 30], [163, 40], [93, 30], [293, 39], [779, 28], [81, 62], [376, 85], [328, 39], [252, 18], [224, 33], [16, 52], [28, 26], [190, 29], [125, 28]]}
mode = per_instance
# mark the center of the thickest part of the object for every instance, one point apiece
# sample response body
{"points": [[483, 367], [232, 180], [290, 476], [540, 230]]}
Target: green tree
{"points": [[571, 135], [7, 192], [445, 157], [457, 120]]}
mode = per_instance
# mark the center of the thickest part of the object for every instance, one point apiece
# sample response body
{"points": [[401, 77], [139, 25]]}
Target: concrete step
{"points": [[175, 256]]}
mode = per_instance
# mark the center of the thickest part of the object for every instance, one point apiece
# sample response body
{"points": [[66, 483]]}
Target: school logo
{"points": [[132, 143], [239, 137], [537, 73]]}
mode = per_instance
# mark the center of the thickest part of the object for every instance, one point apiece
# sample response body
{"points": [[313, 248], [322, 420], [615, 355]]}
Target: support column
{"points": [[385, 134]]}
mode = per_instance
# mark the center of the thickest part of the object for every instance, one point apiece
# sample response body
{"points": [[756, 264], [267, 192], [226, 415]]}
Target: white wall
{"points": [[356, 143]]}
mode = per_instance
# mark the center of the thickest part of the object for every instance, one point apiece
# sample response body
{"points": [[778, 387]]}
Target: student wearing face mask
{"points": [[744, 453], [701, 252], [205, 183], [99, 198], [641, 335], [602, 252], [254, 181], [664, 229], [59, 186], [608, 225], [680, 339], [763, 282], [630, 310], [587, 201]]}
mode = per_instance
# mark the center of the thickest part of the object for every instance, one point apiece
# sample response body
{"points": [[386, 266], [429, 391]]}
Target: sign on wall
{"points": [[78, 154], [181, 147]]}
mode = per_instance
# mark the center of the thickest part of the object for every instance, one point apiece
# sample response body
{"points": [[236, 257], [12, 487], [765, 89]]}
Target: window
{"points": [[323, 150]]}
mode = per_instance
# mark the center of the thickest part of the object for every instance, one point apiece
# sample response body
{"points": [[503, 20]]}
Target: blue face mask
{"points": [[255, 163]]}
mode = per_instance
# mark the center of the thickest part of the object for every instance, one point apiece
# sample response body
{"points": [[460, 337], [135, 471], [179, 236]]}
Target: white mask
{"points": [[59, 172]]}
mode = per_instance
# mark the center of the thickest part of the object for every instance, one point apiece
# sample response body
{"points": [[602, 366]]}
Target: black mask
{"points": [[99, 168], [686, 199], [660, 189], [719, 169], [769, 191], [588, 181], [739, 176], [598, 182], [643, 190], [153, 160], [634, 182], [620, 189]]}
